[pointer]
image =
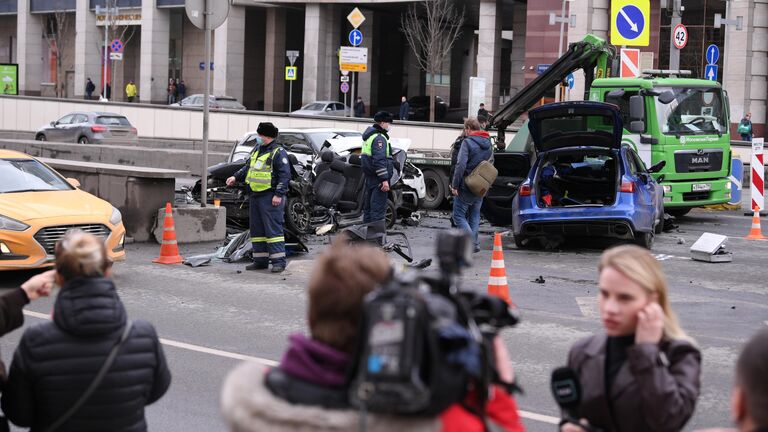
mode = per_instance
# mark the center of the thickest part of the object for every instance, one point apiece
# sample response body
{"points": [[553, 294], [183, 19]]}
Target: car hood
{"points": [[26, 206], [574, 124], [347, 144]]}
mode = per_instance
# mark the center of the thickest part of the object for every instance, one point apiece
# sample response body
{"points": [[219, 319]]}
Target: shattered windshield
{"points": [[694, 111]]}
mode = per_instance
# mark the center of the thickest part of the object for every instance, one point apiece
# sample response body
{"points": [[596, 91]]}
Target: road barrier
{"points": [[756, 233], [758, 175]]}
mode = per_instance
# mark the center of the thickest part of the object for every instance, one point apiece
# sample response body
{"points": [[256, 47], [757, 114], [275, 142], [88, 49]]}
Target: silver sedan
{"points": [[89, 127]]}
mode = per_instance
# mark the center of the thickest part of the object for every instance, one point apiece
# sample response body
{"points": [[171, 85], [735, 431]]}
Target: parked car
{"points": [[328, 108], [419, 108], [584, 182], [38, 206], [214, 102], [89, 127]]}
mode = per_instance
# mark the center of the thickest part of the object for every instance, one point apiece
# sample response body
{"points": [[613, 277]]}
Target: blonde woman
{"points": [[89, 344], [642, 372]]}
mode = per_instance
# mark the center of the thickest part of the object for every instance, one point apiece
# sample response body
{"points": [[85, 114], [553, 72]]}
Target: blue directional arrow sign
{"points": [[569, 79], [630, 22], [710, 72], [713, 54], [355, 37]]}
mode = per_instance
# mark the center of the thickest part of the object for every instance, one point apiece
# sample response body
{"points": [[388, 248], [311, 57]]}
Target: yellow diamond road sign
{"points": [[290, 73], [630, 22], [356, 18]]}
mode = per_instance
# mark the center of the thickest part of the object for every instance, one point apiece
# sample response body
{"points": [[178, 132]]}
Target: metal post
{"points": [[106, 51], [206, 96], [560, 47], [290, 96], [352, 96], [674, 53]]}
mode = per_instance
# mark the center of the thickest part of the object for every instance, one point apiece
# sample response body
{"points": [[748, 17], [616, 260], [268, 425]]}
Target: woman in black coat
{"points": [[56, 361]]}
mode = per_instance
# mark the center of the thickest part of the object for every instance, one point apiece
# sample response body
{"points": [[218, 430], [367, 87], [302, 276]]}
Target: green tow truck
{"points": [[682, 121]]}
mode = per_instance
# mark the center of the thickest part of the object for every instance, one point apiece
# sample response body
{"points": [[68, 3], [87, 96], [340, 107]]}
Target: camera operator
{"points": [[642, 374], [309, 390]]}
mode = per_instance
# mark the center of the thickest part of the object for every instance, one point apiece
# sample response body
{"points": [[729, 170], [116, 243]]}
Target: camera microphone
{"points": [[566, 389]]}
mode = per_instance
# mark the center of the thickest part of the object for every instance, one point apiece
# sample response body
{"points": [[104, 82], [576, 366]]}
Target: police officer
{"points": [[377, 167], [267, 174]]}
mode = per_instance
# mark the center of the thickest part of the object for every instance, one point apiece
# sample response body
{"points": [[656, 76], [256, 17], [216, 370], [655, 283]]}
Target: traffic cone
{"points": [[169, 250], [497, 281], [756, 232]]}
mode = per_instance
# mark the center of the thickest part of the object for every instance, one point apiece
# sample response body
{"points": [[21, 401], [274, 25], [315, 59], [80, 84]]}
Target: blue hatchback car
{"points": [[584, 182]]}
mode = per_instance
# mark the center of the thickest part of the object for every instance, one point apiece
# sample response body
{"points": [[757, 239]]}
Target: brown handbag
{"points": [[481, 178]]}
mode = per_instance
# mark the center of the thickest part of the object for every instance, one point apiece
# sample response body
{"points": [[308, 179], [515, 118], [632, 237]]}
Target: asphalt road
{"points": [[224, 313]]}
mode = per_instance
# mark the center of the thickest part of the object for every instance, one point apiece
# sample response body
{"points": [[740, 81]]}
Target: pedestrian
{"points": [[404, 107], [176, 90], [171, 91], [359, 107], [643, 372], [267, 174], [182, 90], [749, 396], [89, 89], [55, 379], [745, 128], [482, 112], [474, 148], [377, 167], [130, 90], [309, 389], [107, 93]]}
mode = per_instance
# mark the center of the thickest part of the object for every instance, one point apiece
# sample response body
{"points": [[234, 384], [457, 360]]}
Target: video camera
{"points": [[424, 342]]}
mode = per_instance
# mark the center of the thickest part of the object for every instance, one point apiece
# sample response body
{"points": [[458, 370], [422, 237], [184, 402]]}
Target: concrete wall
{"points": [[29, 113], [7, 32]]}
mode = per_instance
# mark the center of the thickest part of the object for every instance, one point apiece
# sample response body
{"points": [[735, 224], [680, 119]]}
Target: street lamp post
{"points": [[562, 19]]}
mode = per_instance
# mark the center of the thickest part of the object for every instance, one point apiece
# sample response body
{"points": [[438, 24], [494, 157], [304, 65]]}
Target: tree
{"points": [[55, 26], [124, 33], [431, 36]]}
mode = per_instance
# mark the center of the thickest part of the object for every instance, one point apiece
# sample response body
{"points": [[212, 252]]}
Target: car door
{"points": [[513, 169], [655, 190], [78, 127], [645, 202], [338, 109], [58, 132]]}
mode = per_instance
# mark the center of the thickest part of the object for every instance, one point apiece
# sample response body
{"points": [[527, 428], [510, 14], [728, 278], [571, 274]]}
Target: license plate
{"points": [[701, 187]]}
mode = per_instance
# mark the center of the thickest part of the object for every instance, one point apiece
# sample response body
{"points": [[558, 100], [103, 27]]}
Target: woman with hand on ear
{"points": [[642, 372]]}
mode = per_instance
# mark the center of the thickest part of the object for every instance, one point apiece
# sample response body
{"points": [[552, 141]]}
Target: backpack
{"points": [[480, 180], [744, 128], [406, 362]]}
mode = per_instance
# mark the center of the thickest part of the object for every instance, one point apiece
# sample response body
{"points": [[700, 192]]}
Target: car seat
{"points": [[329, 184], [326, 157], [353, 172]]}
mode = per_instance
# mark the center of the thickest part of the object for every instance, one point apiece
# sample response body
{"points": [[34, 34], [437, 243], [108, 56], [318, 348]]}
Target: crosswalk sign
{"points": [[290, 73]]}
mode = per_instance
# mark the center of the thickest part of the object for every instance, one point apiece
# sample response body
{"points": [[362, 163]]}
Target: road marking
{"points": [[271, 363]]}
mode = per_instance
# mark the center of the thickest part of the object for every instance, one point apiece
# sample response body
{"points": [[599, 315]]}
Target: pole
{"points": [[674, 53], [560, 47], [106, 52], [290, 96], [352, 96], [206, 96]]}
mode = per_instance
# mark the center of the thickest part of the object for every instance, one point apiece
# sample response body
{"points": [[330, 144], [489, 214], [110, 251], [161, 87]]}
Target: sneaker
{"points": [[477, 249], [256, 266], [278, 268]]}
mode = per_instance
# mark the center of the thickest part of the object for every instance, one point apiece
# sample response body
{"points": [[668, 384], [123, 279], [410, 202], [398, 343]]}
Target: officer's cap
{"points": [[267, 129]]}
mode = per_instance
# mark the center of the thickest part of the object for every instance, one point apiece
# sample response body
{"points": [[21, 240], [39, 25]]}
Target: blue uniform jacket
{"points": [[281, 169], [474, 149], [377, 165]]}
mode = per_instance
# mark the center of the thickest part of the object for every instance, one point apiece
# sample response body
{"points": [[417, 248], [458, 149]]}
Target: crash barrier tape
{"points": [[756, 233], [497, 281], [758, 175], [169, 250]]}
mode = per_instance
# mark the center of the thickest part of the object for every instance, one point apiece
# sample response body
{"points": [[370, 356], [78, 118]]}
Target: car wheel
{"points": [[296, 215], [521, 242], [82, 140], [678, 212], [390, 215], [40, 137], [659, 227], [435, 190], [644, 239]]}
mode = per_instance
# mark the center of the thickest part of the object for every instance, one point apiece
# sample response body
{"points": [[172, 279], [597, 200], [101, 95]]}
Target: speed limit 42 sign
{"points": [[680, 36]]}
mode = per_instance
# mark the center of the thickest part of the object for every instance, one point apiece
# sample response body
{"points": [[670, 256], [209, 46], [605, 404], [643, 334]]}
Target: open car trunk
{"points": [[578, 178], [513, 169]]}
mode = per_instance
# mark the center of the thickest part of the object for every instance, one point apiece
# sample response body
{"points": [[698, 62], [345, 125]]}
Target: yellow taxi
{"points": [[38, 206]]}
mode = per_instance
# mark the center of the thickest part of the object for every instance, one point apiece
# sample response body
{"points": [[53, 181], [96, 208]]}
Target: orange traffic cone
{"points": [[497, 281], [756, 233], [169, 250]]}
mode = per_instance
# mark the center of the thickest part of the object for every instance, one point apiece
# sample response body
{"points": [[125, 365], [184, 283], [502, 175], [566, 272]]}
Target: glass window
{"points": [[291, 139], [623, 104], [694, 111], [67, 119], [25, 175], [112, 121], [314, 107], [230, 104]]}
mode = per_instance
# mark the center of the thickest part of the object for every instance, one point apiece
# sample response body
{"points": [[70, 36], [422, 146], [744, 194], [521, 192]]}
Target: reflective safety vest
{"points": [[368, 145], [260, 171]]}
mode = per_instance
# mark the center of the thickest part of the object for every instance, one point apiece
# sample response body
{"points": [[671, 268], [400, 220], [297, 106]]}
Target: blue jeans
{"points": [[466, 213], [746, 137]]}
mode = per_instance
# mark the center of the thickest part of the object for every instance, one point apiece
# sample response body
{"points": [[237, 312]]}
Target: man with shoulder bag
{"points": [[472, 177]]}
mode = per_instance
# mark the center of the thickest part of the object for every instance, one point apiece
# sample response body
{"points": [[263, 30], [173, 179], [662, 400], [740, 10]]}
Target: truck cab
{"points": [[682, 121]]}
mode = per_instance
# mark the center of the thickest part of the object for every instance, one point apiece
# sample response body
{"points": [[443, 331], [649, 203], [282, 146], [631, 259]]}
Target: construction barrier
{"points": [[497, 281], [169, 250]]}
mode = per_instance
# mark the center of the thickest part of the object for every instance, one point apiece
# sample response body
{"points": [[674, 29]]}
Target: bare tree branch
{"points": [[431, 35], [55, 28]]}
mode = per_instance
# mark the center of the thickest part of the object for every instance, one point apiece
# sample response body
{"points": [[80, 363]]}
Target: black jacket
{"points": [[56, 361], [11, 317], [281, 169]]}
